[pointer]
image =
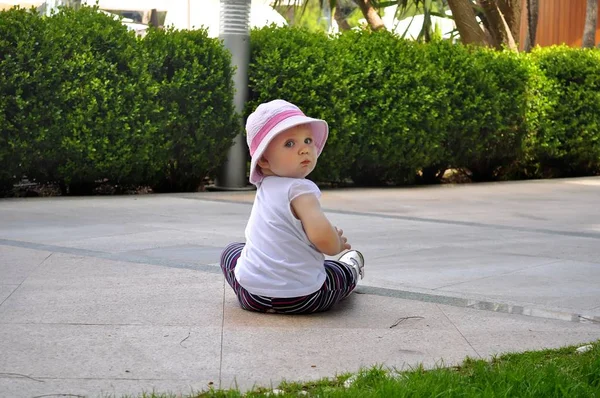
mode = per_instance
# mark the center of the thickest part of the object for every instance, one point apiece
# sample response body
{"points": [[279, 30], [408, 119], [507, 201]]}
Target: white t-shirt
{"points": [[278, 259]]}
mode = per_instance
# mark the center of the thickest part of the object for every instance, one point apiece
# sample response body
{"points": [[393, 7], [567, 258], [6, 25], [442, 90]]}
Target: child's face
{"points": [[291, 154]]}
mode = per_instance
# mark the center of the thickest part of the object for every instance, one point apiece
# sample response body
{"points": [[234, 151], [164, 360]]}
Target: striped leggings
{"points": [[339, 283]]}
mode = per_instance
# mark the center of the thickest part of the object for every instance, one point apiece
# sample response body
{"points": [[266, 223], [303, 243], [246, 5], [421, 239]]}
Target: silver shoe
{"points": [[355, 259]]}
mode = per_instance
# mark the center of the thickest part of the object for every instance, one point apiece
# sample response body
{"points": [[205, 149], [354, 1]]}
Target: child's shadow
{"points": [[355, 311]]}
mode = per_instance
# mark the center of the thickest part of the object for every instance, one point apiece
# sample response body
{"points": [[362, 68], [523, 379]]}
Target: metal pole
{"points": [[189, 26], [235, 33]]}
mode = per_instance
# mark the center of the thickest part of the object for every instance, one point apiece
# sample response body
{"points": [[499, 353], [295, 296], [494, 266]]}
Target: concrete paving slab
{"points": [[53, 232], [6, 291], [528, 204], [190, 254], [264, 349], [147, 240], [538, 245], [81, 290], [16, 386], [522, 204], [384, 239], [17, 263], [422, 268], [127, 274], [167, 239], [567, 284], [108, 354], [55, 220], [493, 333]]}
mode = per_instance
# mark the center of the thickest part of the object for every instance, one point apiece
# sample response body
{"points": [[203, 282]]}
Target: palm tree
{"points": [[500, 18], [371, 15], [591, 22], [366, 7], [370, 9], [466, 22]]}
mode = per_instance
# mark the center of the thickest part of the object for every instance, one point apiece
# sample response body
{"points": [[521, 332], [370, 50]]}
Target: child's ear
{"points": [[263, 162]]}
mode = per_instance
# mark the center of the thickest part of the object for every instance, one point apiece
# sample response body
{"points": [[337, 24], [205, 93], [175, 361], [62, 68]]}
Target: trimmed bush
{"points": [[75, 99], [100, 100], [400, 106], [488, 94], [82, 99], [567, 140], [23, 62], [197, 121]]}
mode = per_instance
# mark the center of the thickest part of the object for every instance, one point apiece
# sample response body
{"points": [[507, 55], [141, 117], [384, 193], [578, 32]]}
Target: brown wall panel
{"points": [[559, 21]]}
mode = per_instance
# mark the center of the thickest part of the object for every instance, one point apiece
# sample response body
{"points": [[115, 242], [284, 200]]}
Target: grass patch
{"points": [[550, 373]]}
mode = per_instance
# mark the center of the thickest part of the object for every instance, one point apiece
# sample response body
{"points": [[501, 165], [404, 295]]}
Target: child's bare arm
{"points": [[319, 230]]}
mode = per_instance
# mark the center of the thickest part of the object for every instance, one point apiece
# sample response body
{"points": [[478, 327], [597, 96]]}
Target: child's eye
{"points": [[289, 144], [308, 140]]}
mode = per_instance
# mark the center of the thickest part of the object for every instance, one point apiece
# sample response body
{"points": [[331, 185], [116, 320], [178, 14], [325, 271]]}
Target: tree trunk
{"points": [[591, 22], [498, 26], [511, 9], [373, 19], [532, 20], [464, 17], [341, 21]]}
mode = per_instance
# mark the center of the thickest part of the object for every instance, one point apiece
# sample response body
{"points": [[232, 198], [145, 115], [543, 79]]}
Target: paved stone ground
{"points": [[120, 295]]}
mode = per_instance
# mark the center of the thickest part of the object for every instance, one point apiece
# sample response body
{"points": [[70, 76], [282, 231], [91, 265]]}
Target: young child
{"points": [[282, 267]]}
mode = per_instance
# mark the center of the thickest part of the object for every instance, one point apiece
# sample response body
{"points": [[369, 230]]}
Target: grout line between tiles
{"points": [[458, 330], [23, 281], [222, 336]]}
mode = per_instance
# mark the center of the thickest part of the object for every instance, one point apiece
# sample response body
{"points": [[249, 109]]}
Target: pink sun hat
{"points": [[270, 119]]}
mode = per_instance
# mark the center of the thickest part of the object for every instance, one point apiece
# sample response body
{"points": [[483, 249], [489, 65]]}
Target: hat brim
{"points": [[320, 132]]}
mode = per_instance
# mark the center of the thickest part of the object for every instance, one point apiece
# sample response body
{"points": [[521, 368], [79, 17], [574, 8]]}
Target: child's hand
{"points": [[344, 245]]}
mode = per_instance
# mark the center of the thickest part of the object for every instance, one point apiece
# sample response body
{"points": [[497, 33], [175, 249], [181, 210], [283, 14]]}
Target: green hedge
{"points": [[197, 121], [400, 106], [101, 127], [362, 84], [23, 63], [81, 96], [84, 100], [399, 111], [566, 141], [488, 117]]}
